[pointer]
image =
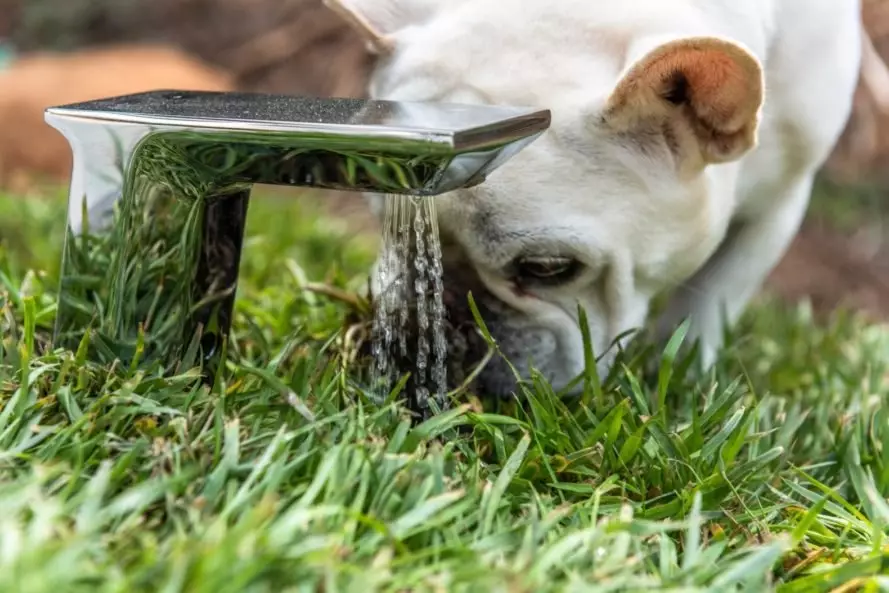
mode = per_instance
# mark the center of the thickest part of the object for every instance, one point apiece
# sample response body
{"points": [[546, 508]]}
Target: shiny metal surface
{"points": [[161, 185]]}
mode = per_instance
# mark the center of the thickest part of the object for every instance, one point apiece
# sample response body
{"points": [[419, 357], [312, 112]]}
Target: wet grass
{"points": [[771, 473]]}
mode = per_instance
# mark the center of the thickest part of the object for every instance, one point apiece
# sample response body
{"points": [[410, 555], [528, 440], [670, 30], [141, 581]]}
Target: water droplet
{"points": [[410, 277]]}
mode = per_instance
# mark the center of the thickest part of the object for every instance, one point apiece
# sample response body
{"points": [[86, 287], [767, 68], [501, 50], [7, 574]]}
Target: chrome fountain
{"points": [[161, 183]]}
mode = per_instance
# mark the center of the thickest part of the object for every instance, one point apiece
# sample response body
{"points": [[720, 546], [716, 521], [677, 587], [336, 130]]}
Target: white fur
{"points": [[640, 228]]}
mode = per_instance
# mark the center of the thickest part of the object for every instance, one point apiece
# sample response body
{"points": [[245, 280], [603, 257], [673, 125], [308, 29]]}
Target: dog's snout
{"points": [[468, 347]]}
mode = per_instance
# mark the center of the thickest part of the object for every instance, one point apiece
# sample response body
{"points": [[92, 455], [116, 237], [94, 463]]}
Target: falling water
{"points": [[410, 277]]}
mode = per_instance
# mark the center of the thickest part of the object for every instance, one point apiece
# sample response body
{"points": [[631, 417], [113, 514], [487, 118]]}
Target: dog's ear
{"points": [[378, 20], [704, 93]]}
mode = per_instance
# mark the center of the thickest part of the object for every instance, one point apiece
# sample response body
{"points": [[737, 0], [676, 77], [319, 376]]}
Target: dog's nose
{"points": [[468, 347]]}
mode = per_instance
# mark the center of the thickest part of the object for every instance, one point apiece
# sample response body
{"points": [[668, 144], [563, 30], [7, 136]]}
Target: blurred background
{"points": [[59, 51]]}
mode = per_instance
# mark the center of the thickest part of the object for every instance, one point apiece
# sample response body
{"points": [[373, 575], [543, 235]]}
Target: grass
{"points": [[131, 286], [769, 474]]}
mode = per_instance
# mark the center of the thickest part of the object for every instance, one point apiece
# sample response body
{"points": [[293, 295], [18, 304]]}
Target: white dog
{"points": [[684, 142]]}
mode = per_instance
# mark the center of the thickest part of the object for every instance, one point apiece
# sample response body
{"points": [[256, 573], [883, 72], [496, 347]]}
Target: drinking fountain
{"points": [[161, 183]]}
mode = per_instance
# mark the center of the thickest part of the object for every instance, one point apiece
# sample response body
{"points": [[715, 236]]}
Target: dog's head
{"points": [[615, 202]]}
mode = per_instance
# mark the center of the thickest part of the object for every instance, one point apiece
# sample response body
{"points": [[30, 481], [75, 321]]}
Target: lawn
{"points": [[770, 473]]}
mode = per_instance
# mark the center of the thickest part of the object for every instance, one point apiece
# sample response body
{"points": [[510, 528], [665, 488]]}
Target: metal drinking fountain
{"points": [[161, 183]]}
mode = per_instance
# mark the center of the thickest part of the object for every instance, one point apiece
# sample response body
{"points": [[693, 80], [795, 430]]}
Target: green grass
{"points": [[771, 473], [850, 207]]}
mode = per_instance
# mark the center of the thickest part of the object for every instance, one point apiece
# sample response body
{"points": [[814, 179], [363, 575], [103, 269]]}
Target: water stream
{"points": [[408, 325]]}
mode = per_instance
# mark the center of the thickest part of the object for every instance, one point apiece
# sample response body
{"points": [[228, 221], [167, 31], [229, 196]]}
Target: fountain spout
{"points": [[161, 183]]}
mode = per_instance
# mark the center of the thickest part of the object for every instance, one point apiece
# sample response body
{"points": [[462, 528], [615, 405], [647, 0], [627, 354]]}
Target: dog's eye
{"points": [[545, 270]]}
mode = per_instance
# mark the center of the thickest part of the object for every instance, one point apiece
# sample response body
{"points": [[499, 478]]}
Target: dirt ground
{"points": [[832, 269]]}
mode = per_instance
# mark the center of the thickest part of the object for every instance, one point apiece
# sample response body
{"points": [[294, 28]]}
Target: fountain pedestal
{"points": [[161, 187]]}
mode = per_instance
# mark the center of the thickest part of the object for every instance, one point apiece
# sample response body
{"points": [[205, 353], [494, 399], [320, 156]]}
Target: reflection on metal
{"points": [[161, 184]]}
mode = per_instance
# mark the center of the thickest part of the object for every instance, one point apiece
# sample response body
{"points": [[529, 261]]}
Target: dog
{"points": [[685, 139]]}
